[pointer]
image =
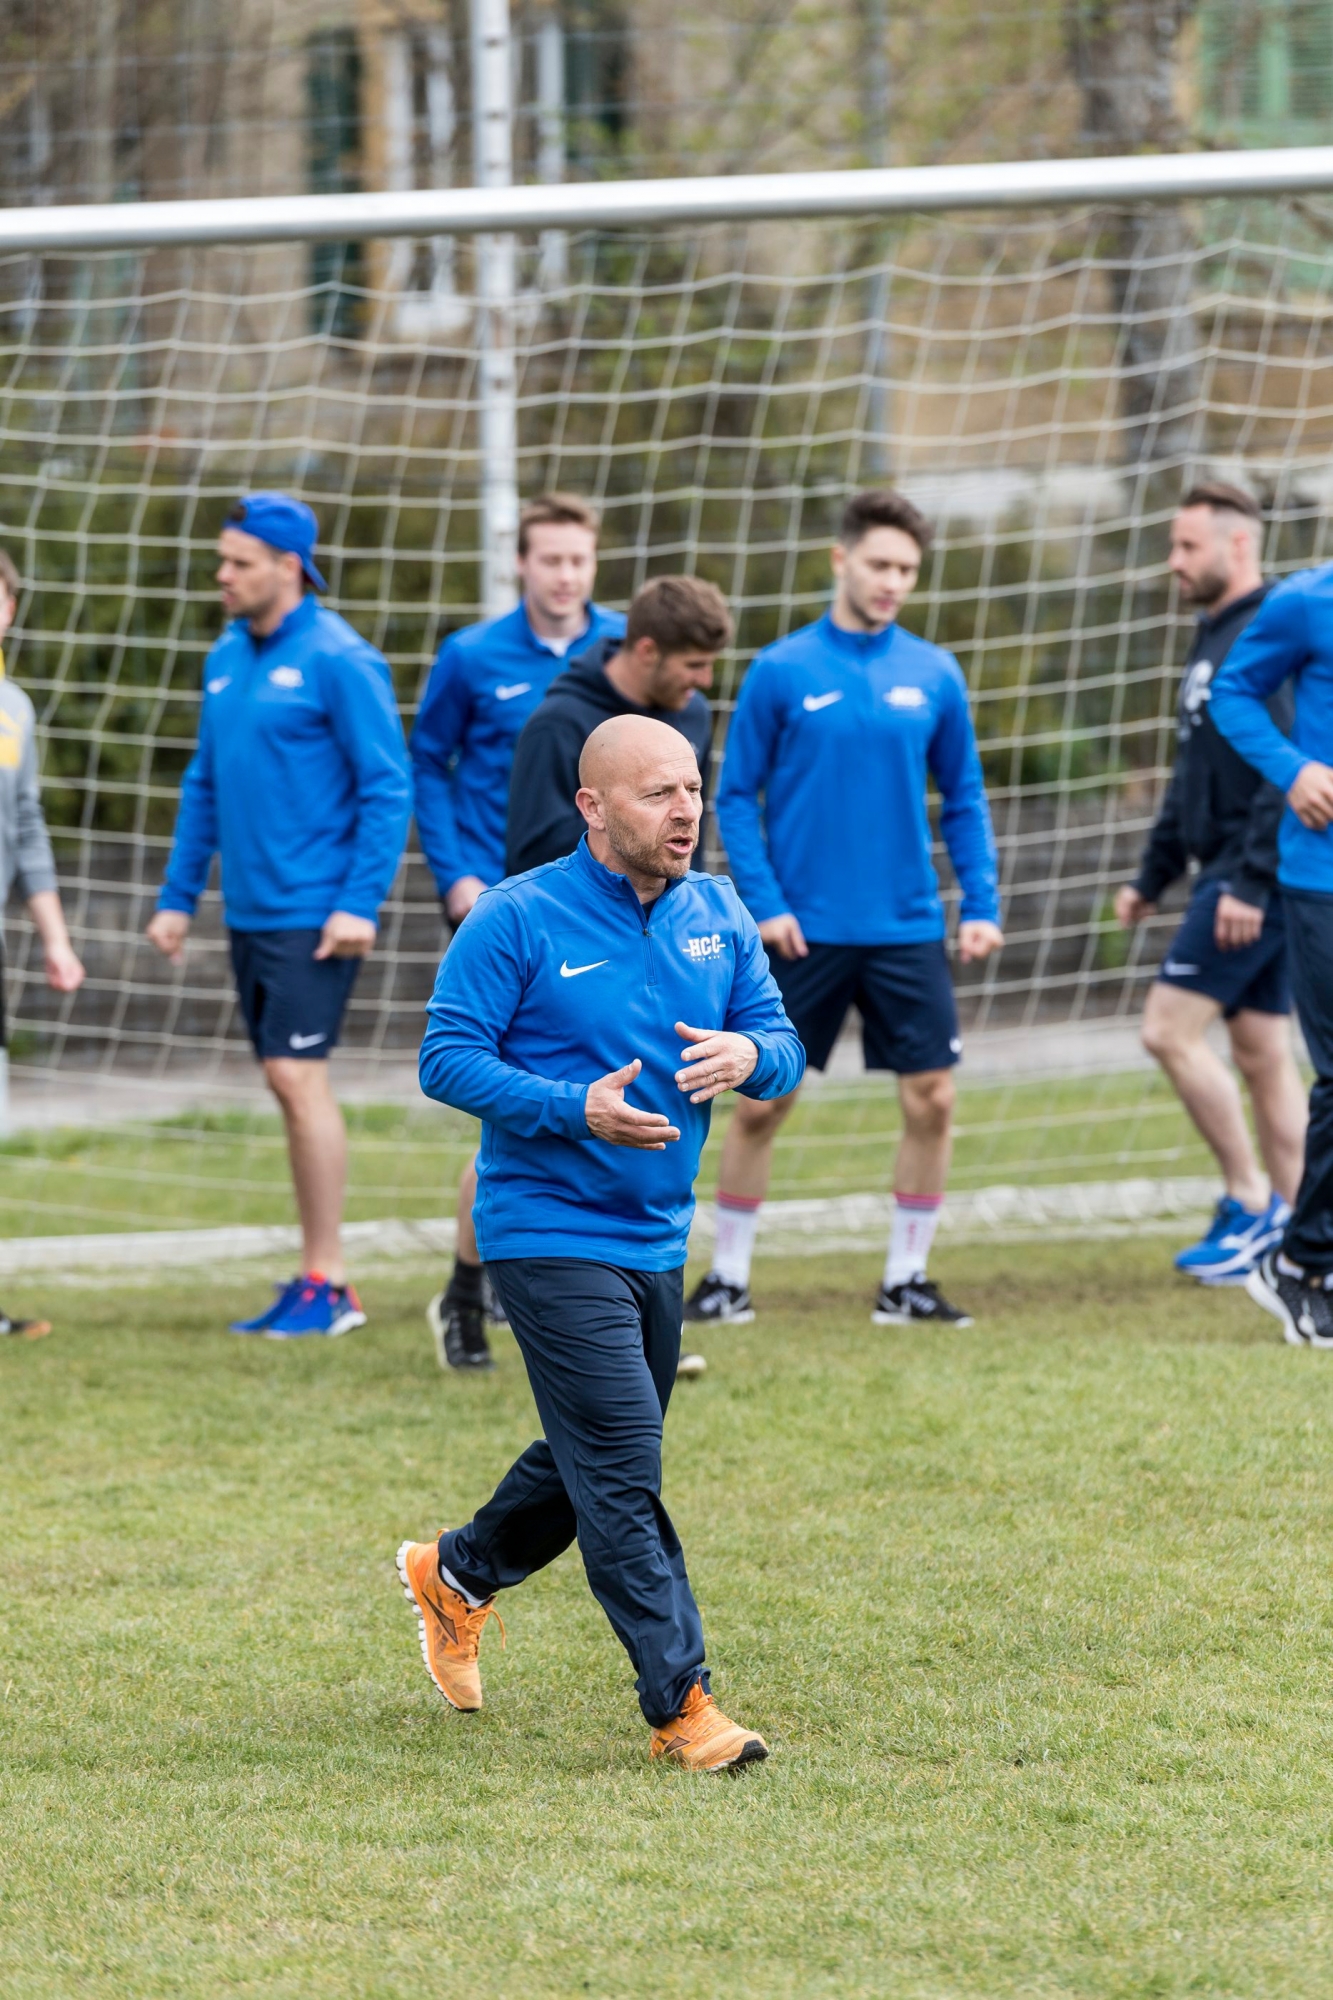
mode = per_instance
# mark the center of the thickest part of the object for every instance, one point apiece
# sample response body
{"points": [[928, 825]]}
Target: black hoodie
{"points": [[544, 821], [1217, 810]]}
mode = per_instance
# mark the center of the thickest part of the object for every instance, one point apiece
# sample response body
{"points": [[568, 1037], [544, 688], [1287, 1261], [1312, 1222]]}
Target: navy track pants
{"points": [[601, 1346], [1309, 1235]]}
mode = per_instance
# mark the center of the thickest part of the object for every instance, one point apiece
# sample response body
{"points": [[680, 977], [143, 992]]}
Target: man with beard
{"points": [[299, 782], [1229, 956], [588, 1012]]}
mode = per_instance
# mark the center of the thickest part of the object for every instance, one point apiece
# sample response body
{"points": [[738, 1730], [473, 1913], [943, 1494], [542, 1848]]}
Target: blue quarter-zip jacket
{"points": [[838, 733], [485, 683], [299, 778], [561, 976], [1291, 634]]}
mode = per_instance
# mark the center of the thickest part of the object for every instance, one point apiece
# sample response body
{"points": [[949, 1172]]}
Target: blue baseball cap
{"points": [[283, 523]]}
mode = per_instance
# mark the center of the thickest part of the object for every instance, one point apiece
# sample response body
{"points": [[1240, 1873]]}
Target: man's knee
{"points": [[1156, 1039], [758, 1119], [1261, 1045], [928, 1100], [1174, 1020], [294, 1082]]}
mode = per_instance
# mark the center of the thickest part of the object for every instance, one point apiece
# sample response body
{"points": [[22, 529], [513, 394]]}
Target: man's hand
{"points": [[718, 1061], [346, 936], [1311, 797], [1235, 923], [610, 1118], [1130, 907], [978, 939], [785, 935], [462, 896], [64, 968], [168, 931]]}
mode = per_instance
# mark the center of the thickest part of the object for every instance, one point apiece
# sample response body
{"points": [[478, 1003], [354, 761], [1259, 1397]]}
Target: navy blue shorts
{"points": [[1253, 976], [903, 992], [293, 1003]]}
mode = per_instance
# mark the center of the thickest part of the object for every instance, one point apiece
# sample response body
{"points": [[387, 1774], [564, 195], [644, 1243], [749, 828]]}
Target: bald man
{"points": [[588, 1013]]}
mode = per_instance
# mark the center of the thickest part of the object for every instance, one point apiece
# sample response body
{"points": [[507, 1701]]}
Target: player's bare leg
{"points": [[747, 1150], [1174, 1031], [1249, 1217], [925, 1149], [317, 1148], [1262, 1052]]}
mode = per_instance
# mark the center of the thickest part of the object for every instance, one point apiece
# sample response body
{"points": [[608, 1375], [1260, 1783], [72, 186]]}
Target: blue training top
{"points": [[838, 732], [485, 683], [1290, 635], [299, 778], [561, 976]]}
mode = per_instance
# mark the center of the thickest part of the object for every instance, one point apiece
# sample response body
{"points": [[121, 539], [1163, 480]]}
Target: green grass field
{"points": [[1037, 1619], [207, 1170]]}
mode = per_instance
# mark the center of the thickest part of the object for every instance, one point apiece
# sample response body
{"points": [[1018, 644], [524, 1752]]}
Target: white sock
{"points": [[466, 1595], [737, 1222], [914, 1220], [1287, 1268]]}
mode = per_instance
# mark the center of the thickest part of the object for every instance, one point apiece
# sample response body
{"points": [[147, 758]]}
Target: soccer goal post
{"points": [[1040, 355]]}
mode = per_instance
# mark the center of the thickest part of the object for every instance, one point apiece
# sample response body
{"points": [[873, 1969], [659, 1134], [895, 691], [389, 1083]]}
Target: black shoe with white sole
{"points": [[719, 1303], [460, 1334], [1303, 1305], [919, 1302]]}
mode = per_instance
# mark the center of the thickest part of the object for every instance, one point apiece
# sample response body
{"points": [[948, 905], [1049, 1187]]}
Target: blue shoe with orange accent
{"points": [[1236, 1240], [319, 1308], [283, 1294]]}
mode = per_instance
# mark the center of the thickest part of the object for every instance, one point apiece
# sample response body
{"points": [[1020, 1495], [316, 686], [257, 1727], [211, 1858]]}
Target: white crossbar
{"points": [[633, 204]]}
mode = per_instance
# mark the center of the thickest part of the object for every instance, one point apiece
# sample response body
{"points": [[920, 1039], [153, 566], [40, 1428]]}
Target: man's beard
{"points": [[874, 621], [1207, 589], [636, 853]]}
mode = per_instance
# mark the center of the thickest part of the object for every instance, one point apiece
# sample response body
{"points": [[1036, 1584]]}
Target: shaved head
{"points": [[641, 794], [624, 744]]}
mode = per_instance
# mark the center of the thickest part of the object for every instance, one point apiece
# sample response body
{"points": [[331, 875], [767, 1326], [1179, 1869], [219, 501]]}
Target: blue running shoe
{"points": [[282, 1294], [1235, 1242], [316, 1307]]}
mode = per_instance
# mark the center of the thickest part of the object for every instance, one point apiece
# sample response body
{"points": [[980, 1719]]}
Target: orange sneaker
{"points": [[24, 1329], [703, 1739], [450, 1626]]}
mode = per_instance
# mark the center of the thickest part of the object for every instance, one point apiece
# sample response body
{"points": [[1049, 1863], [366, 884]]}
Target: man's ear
{"points": [[590, 806]]}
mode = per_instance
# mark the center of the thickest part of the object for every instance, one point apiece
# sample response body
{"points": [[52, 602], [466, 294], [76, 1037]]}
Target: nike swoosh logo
{"points": [[305, 1041], [568, 971], [508, 693], [814, 701], [1179, 971]]}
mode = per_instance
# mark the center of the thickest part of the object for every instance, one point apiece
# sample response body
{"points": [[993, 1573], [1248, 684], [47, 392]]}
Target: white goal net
{"points": [[1042, 384]]}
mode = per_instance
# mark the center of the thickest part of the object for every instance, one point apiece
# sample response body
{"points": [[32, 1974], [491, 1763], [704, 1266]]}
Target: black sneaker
{"points": [[490, 1301], [713, 1299], [1303, 1305], [460, 1334], [919, 1302]]}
